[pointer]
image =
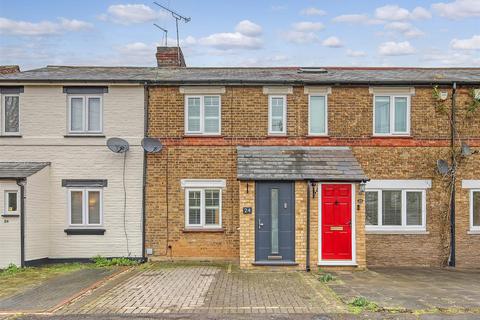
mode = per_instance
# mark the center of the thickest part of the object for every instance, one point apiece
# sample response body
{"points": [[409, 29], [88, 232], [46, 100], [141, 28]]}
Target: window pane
{"points": [[392, 208], [401, 114], [317, 114], [193, 114], [476, 209], [371, 208], [414, 208], [93, 207], [212, 207], [76, 206], [277, 107], [212, 116], [382, 114], [12, 122], [277, 125], [76, 114], [194, 207], [94, 111], [274, 217], [12, 204]]}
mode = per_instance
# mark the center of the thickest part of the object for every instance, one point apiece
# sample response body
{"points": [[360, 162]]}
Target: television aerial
{"points": [[152, 145], [118, 145]]}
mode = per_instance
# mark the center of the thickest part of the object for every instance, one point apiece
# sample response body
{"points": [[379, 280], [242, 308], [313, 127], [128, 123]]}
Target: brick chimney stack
{"points": [[9, 69], [170, 57]]}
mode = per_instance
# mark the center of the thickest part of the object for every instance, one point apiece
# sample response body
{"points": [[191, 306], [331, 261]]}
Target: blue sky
{"points": [[243, 33]]}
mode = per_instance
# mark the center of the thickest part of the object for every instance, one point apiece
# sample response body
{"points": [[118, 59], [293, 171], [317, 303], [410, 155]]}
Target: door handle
{"points": [[260, 224]]}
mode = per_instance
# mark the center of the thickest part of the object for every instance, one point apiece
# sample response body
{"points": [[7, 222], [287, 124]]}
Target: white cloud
{"points": [[307, 26], [248, 28], [396, 13], [392, 48], [356, 19], [466, 44], [458, 9], [300, 37], [405, 28], [332, 42], [43, 28], [355, 53], [231, 40], [451, 59], [312, 11], [131, 13]]}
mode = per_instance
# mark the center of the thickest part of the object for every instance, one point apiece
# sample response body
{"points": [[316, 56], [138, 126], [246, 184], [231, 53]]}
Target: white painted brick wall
{"points": [[9, 230]]}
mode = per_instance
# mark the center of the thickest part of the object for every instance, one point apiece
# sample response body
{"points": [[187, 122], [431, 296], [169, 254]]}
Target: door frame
{"points": [[353, 261]]}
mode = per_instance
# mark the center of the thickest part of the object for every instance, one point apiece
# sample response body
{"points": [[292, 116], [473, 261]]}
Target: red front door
{"points": [[336, 222]]}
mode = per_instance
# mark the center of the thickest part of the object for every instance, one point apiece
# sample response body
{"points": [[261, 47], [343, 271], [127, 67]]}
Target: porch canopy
{"points": [[16, 170], [298, 163]]}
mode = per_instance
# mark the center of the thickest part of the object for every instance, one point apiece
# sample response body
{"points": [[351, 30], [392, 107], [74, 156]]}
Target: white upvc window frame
{"points": [[392, 115], [202, 224], [403, 226], [270, 118], [202, 115], [85, 106], [85, 223], [472, 227], [7, 203], [3, 116], [310, 133]]}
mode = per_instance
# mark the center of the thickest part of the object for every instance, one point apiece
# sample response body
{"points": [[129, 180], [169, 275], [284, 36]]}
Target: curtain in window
{"points": [[414, 208], [76, 203], [400, 114], [382, 114], [371, 208], [212, 114], [94, 114], [193, 114], [194, 207], [212, 207], [12, 114], [12, 205], [277, 114], [476, 209], [392, 208], [317, 114], [76, 114], [94, 207]]}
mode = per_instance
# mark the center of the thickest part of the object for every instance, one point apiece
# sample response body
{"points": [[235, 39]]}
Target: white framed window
{"points": [[391, 115], [203, 114], [475, 210], [85, 207], [203, 208], [317, 115], [85, 114], [395, 210], [277, 114], [12, 202], [10, 114]]}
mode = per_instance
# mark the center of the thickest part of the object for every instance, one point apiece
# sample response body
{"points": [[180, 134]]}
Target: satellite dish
{"points": [[151, 145], [117, 145], [466, 151], [442, 167]]}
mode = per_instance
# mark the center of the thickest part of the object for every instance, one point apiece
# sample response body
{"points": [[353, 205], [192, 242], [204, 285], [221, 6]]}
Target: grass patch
{"points": [[106, 262], [359, 304], [14, 279], [326, 277]]}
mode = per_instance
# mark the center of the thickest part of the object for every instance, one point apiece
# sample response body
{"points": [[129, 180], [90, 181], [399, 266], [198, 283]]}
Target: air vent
{"points": [[312, 70]]}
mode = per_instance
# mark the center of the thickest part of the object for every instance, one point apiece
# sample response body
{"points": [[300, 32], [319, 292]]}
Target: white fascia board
{"points": [[203, 183], [399, 184], [201, 90], [471, 184], [392, 90], [317, 90], [277, 90]]}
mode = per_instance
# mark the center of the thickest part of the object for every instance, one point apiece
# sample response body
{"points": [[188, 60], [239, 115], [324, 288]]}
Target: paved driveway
{"points": [[208, 289]]}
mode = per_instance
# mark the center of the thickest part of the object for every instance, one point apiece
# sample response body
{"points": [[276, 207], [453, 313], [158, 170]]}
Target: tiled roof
{"points": [[298, 163], [287, 75], [16, 170]]}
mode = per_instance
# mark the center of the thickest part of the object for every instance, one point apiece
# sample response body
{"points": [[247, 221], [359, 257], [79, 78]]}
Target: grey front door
{"points": [[274, 221]]}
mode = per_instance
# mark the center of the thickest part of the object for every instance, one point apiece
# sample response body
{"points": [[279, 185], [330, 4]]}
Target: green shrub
{"points": [[326, 277], [106, 262], [11, 269], [363, 303]]}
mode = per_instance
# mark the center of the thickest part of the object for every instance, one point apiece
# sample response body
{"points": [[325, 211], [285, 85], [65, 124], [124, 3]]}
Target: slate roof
{"points": [[275, 75], [14, 170], [298, 163]]}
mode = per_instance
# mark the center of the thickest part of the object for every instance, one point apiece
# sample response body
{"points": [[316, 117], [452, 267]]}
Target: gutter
{"points": [[21, 182]]}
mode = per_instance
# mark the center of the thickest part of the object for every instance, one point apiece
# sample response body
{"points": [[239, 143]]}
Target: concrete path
{"points": [[53, 292], [210, 290], [412, 288]]}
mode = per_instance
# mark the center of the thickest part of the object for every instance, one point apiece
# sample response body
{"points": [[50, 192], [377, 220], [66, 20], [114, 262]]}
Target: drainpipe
{"points": [[453, 120], [307, 263], [21, 183], [145, 134]]}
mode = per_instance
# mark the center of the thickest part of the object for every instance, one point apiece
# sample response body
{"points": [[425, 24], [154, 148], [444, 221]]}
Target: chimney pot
{"points": [[170, 57]]}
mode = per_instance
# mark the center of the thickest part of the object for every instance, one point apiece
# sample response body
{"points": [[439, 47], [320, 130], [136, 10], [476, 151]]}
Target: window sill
{"points": [[474, 232], [199, 135], [10, 215], [204, 230], [85, 231], [10, 136], [85, 135], [403, 136], [277, 135], [317, 135], [418, 232]]}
